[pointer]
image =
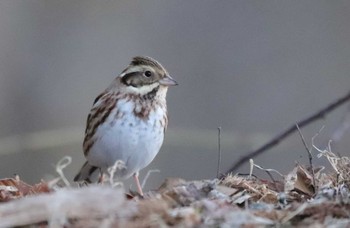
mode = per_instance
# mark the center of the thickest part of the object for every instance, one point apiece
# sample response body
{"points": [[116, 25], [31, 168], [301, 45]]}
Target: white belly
{"points": [[130, 139]]}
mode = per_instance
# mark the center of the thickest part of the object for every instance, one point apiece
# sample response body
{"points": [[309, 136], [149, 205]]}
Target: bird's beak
{"points": [[167, 81]]}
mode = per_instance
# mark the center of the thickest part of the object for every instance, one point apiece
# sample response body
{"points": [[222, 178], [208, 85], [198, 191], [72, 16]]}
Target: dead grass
{"points": [[246, 201]]}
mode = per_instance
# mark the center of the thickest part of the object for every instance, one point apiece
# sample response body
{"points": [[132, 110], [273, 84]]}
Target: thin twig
{"points": [[219, 153], [251, 168], [112, 171], [343, 127], [310, 157], [148, 175], [268, 171], [62, 164], [275, 141], [315, 136]]}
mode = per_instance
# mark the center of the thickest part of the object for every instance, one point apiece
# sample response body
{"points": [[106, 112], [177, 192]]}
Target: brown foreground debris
{"points": [[234, 201], [13, 188]]}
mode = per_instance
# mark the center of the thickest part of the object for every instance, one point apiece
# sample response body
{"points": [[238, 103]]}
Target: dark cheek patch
{"points": [[131, 79], [136, 79]]}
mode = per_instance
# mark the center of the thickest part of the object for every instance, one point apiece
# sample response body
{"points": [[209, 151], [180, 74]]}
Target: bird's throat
{"points": [[150, 95]]}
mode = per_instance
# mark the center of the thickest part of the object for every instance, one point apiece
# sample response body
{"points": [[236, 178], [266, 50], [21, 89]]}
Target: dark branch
{"points": [[275, 141]]}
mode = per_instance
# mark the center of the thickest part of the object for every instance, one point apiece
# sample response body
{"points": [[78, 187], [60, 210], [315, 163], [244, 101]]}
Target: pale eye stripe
{"points": [[132, 69]]}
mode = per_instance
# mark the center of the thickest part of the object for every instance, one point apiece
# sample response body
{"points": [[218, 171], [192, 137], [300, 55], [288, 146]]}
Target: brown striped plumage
{"points": [[128, 120]]}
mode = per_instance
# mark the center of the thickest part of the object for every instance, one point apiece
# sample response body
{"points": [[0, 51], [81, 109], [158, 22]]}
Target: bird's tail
{"points": [[85, 173]]}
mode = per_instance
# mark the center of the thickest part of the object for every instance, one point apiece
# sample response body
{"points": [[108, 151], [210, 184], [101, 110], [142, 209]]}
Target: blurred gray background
{"points": [[251, 67]]}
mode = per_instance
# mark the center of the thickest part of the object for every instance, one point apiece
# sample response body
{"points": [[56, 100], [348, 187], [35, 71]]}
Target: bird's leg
{"points": [[100, 179], [139, 189]]}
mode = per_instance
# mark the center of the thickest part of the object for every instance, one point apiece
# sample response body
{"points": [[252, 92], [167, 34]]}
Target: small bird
{"points": [[127, 121]]}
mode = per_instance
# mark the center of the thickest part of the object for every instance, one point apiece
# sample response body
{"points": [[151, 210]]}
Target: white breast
{"points": [[126, 137]]}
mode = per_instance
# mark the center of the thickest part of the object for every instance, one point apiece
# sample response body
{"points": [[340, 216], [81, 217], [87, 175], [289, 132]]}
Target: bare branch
{"points": [[275, 141]]}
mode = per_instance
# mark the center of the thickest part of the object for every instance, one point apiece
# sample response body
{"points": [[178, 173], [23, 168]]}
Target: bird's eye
{"points": [[148, 73]]}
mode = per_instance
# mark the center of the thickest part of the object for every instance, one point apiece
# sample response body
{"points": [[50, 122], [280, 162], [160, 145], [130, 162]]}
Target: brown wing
{"points": [[102, 107], [85, 172], [89, 116]]}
